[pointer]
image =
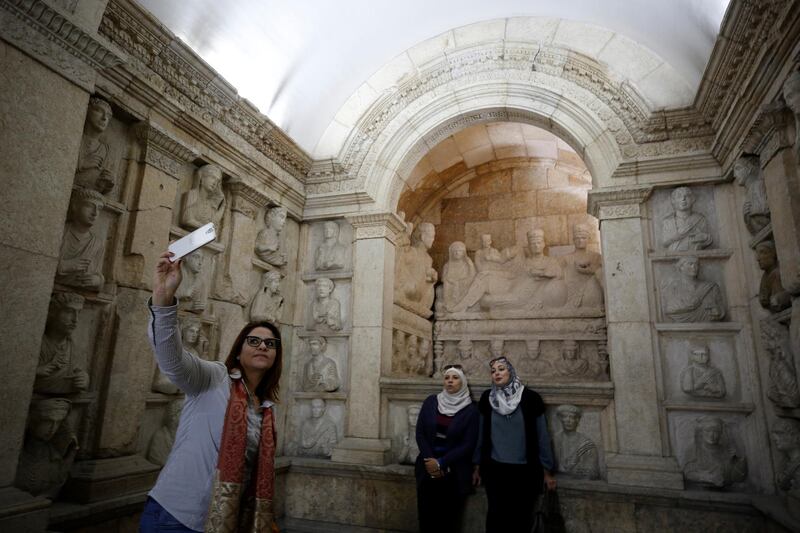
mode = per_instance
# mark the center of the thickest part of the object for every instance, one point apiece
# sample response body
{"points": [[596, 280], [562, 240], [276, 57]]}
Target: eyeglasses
{"points": [[255, 342], [457, 367]]}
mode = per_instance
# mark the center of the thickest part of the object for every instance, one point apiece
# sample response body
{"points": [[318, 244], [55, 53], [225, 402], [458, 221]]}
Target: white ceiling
{"points": [[299, 61]]}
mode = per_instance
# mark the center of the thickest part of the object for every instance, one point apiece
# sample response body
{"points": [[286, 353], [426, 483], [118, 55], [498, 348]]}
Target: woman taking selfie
{"points": [[447, 430], [220, 474], [513, 458]]}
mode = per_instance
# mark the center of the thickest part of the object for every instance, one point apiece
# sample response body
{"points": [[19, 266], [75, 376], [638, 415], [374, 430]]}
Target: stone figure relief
{"points": [[415, 276], [317, 434], [417, 365], [786, 436], [714, 461], [572, 364], [330, 254], [457, 274], [81, 257], [410, 450], [425, 356], [700, 378], [162, 440], [410, 354], [398, 350], [686, 298], [192, 292], [684, 229], [583, 271], [496, 348], [532, 281], [269, 244], [267, 302], [325, 309], [438, 358], [49, 450], [771, 294], [747, 172], [488, 257], [94, 169], [782, 387], [474, 367], [533, 365], [576, 453], [58, 371], [194, 342], [320, 373], [205, 202], [791, 95]]}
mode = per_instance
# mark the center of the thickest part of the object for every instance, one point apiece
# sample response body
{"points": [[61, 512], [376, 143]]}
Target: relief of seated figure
{"points": [[317, 435], [57, 371], [489, 258], [410, 450], [689, 299], [325, 309], [205, 202], [747, 172], [164, 437], [582, 271], [94, 165], [320, 373], [414, 273], [576, 454], [571, 363], [457, 274], [700, 378], [267, 302], [49, 450], [786, 436], [684, 229], [192, 292], [533, 282], [330, 254], [269, 245], [771, 294], [81, 258], [714, 461]]}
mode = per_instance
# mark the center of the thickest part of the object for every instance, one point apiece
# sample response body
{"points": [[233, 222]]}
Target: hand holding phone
{"points": [[191, 242]]}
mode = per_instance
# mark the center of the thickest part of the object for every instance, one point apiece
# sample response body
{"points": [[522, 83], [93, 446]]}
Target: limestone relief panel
{"points": [[583, 271], [755, 210], [330, 241], [781, 383], [702, 368], [61, 368], [690, 291], [786, 438], [193, 292], [164, 437], [82, 251], [96, 166], [684, 219], [328, 304], [414, 273], [576, 453], [402, 431], [318, 428], [195, 339], [411, 355], [323, 364], [267, 302], [771, 294], [269, 245], [205, 201]]}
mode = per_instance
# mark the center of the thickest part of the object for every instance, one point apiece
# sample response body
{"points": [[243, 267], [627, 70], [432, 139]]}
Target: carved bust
{"points": [[576, 454], [714, 461], [782, 388], [457, 274], [582, 271], [205, 202], [192, 291], [571, 363], [330, 254], [473, 367], [786, 436], [320, 373], [410, 450], [325, 309], [684, 229], [50, 448], [81, 258], [317, 435], [269, 245], [162, 440], [771, 294], [267, 302], [532, 364], [414, 273], [94, 169], [747, 171], [689, 299], [700, 378], [57, 371], [489, 258]]}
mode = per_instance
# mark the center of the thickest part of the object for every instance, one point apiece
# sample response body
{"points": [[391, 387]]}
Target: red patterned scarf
{"points": [[228, 511]]}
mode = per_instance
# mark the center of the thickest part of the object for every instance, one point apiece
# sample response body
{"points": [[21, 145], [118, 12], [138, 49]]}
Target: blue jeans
{"points": [[156, 519]]}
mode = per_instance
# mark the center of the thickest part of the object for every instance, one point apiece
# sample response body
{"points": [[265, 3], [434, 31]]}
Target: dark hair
{"points": [[269, 387]]}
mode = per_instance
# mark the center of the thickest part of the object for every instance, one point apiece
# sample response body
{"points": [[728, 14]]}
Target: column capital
{"points": [[376, 226], [618, 202], [245, 199], [161, 149]]}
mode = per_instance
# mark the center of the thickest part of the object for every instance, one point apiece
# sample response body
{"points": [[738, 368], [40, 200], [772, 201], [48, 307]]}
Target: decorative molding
{"points": [[376, 226], [681, 163], [244, 198], [618, 202], [52, 38], [162, 150]]}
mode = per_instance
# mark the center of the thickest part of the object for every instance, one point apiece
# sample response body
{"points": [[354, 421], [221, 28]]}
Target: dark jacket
{"points": [[532, 407], [462, 436]]}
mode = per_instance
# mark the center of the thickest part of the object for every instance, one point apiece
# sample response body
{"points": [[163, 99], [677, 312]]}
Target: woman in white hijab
{"points": [[513, 457], [447, 430]]}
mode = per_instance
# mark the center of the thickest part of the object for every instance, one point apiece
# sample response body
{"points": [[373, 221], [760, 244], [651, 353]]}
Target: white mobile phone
{"points": [[189, 243]]}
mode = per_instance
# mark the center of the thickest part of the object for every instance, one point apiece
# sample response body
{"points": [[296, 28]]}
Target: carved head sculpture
{"points": [[85, 206], [746, 168], [190, 331], [486, 241], [413, 414], [699, 356], [580, 236], [536, 241], [570, 416], [46, 416], [62, 315], [786, 435], [496, 348], [532, 348], [457, 251], [709, 431], [682, 199], [330, 230], [324, 287], [209, 179], [275, 218], [791, 92], [688, 266], [464, 349], [271, 280], [569, 349], [766, 255], [317, 408], [317, 345], [194, 261], [98, 115], [424, 234]]}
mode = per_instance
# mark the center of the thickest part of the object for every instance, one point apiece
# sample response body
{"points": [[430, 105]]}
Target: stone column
{"points": [[371, 339], [47, 66], [639, 459]]}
